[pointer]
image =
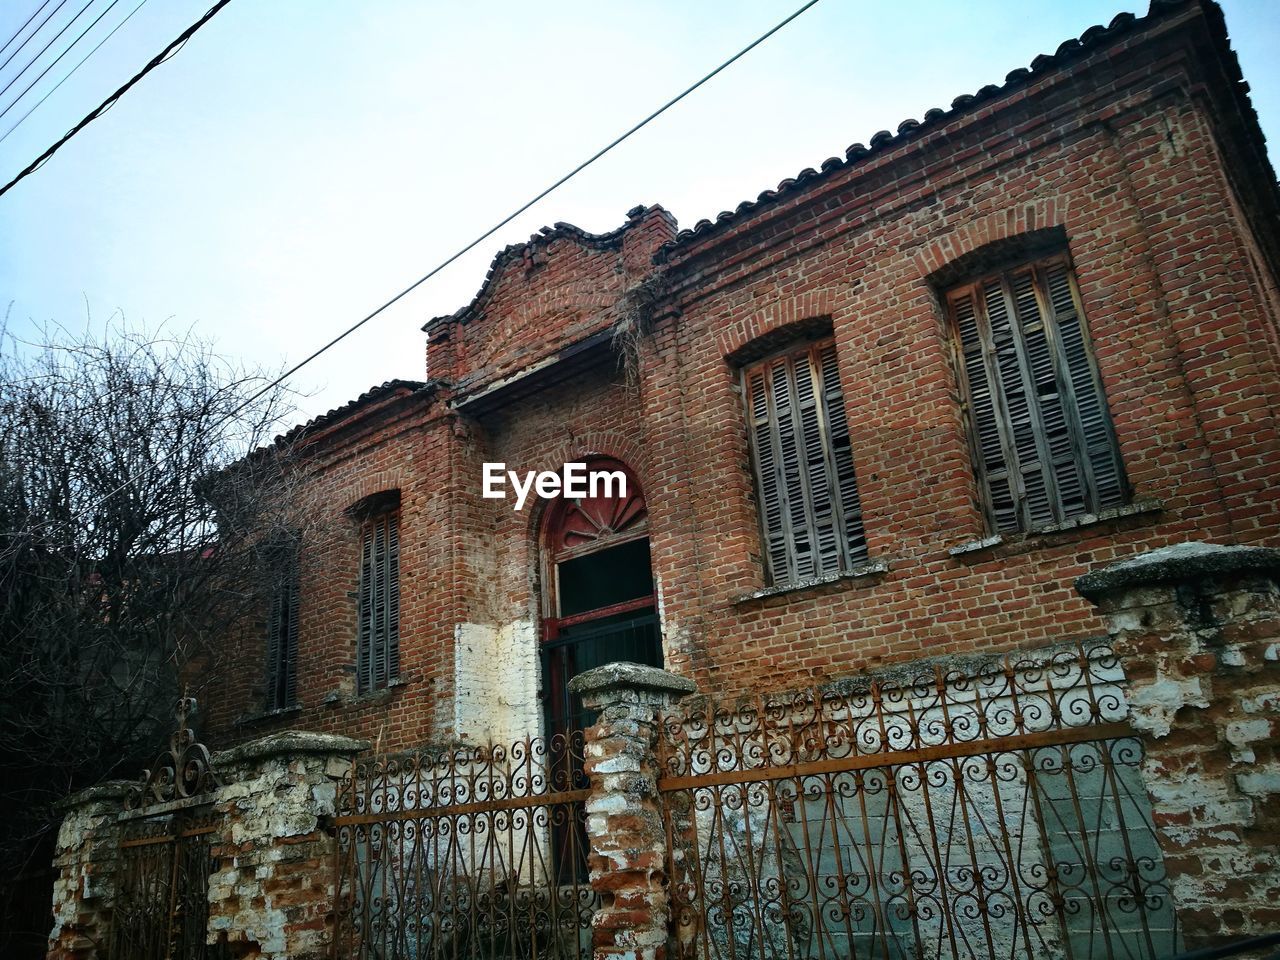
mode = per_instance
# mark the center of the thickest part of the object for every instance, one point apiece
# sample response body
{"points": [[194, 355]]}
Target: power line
{"points": [[58, 58], [511, 216], [65, 26], [18, 32], [69, 73], [31, 36], [108, 103], [478, 240]]}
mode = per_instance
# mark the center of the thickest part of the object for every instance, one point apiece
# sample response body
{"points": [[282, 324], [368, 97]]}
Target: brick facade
{"points": [[1133, 151]]}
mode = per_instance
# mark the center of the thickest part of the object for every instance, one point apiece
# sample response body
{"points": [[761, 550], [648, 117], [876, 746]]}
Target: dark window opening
{"points": [[282, 627], [601, 579]]}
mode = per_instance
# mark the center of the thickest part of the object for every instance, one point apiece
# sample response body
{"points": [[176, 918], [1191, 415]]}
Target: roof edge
{"points": [[611, 239], [1093, 39]]}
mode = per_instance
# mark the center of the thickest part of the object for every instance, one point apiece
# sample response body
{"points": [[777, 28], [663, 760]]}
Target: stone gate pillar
{"points": [[1197, 628], [624, 818], [85, 859], [273, 894]]}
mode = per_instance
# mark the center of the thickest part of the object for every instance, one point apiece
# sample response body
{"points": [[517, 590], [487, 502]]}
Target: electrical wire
{"points": [[18, 32], [478, 240], [69, 73], [57, 59], [31, 36], [65, 26], [521, 209], [108, 103]]}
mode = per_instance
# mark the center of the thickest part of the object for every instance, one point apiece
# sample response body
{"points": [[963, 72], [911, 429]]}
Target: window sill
{"points": [[381, 695], [871, 569], [266, 716], [1135, 509]]}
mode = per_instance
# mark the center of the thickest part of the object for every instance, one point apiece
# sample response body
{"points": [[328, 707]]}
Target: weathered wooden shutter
{"points": [[282, 629], [811, 517], [1043, 442], [378, 654], [364, 651], [847, 503], [1084, 386], [393, 598]]}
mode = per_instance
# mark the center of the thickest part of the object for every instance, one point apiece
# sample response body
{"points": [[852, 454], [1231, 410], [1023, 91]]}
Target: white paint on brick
{"points": [[1155, 704], [496, 697]]}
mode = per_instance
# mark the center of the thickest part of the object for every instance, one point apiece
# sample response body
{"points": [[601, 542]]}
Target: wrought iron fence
{"points": [[166, 855], [992, 812], [161, 904], [466, 852]]}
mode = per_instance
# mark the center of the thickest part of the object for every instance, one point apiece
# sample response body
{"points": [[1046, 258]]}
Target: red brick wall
{"points": [[1128, 151]]}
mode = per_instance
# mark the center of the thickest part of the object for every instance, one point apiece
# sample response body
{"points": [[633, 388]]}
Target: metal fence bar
{"points": [[949, 814], [468, 851]]}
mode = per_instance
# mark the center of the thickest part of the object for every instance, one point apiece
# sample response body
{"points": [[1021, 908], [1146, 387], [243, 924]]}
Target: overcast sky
{"points": [[301, 160]]}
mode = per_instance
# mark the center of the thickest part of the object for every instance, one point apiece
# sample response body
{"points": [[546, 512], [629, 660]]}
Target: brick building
{"points": [[888, 433], [1041, 331]]}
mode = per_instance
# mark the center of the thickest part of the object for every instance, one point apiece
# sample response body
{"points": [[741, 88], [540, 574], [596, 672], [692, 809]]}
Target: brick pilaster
{"points": [[273, 895], [85, 860], [624, 818], [1197, 627]]}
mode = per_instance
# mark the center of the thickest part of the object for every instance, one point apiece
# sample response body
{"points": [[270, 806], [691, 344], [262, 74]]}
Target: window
{"points": [[378, 651], [1043, 445], [810, 515], [282, 626]]}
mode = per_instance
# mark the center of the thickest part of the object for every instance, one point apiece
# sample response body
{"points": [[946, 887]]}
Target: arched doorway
{"points": [[599, 603]]}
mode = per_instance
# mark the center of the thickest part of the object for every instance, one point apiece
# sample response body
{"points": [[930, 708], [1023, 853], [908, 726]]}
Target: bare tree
{"points": [[134, 533]]}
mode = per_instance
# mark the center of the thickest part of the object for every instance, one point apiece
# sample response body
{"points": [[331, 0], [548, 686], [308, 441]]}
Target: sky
{"points": [[301, 161]]}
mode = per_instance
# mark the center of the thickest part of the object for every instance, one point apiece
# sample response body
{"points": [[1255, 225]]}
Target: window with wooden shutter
{"points": [[378, 653], [282, 627], [1044, 449], [810, 514]]}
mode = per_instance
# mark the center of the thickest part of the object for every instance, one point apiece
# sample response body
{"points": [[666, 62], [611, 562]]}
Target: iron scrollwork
{"points": [[179, 773]]}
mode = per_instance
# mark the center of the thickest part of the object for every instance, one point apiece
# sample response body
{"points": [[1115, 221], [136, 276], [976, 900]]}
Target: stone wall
{"points": [[1198, 629], [272, 893], [85, 865]]}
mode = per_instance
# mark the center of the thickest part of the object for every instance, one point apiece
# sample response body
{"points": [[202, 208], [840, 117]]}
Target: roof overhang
{"points": [[564, 364]]}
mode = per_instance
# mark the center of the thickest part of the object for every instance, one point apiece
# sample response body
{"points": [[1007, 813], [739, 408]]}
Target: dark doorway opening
{"points": [[599, 606]]}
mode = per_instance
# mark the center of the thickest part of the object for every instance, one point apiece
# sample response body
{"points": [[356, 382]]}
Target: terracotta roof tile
{"points": [[1092, 38]]}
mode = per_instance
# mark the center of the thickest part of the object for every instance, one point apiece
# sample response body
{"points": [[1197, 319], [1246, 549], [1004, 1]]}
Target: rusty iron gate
{"points": [[162, 888], [974, 813], [465, 852], [166, 855]]}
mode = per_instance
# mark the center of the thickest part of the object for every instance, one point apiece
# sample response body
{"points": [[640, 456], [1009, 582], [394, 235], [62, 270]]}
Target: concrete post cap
{"points": [[110, 790], [1178, 563], [290, 743], [630, 676]]}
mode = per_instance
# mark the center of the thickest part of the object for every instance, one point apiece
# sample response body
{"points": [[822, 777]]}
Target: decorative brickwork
{"points": [[1198, 629], [624, 820]]}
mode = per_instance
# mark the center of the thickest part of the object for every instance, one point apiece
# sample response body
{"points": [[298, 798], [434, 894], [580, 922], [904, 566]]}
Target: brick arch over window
{"points": [[1020, 220], [367, 485], [776, 318]]}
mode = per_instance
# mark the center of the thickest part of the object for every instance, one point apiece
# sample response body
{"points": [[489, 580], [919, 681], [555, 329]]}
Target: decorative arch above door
{"points": [[574, 527]]}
